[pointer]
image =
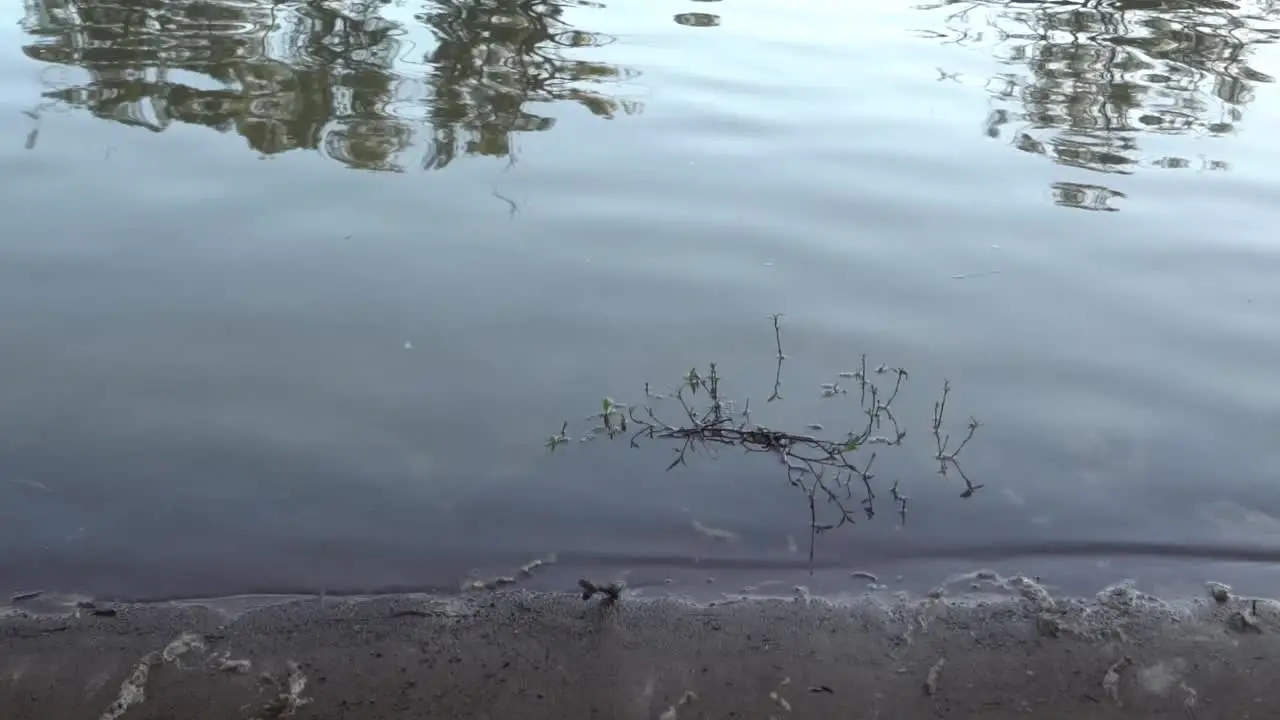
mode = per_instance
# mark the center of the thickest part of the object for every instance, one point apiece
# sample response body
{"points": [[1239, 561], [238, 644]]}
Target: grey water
{"points": [[292, 295]]}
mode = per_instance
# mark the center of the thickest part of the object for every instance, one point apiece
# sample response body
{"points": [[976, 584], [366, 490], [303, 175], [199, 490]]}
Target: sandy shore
{"points": [[522, 655]]}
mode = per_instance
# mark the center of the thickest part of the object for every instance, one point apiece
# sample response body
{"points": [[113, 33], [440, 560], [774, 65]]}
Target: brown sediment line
{"points": [[521, 655]]}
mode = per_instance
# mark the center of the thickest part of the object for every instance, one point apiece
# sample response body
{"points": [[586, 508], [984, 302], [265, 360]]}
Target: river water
{"points": [[293, 295]]}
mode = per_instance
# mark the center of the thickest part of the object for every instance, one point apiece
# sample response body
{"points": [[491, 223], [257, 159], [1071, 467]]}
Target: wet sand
{"points": [[527, 655]]}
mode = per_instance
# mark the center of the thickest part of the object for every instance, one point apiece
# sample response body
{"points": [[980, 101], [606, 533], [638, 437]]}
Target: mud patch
{"points": [[290, 698], [1160, 678], [1121, 652]]}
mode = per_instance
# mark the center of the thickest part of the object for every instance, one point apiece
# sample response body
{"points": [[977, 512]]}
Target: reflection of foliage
{"points": [[1084, 197], [494, 57], [329, 88], [318, 76], [1086, 80]]}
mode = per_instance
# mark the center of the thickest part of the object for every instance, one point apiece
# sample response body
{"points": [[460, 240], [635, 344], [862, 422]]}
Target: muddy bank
{"points": [[517, 655]]}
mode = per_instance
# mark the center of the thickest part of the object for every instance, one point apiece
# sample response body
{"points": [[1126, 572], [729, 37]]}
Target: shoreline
{"points": [[521, 654]]}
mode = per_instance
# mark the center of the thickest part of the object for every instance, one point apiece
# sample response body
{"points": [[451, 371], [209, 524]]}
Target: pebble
{"points": [[1219, 592]]}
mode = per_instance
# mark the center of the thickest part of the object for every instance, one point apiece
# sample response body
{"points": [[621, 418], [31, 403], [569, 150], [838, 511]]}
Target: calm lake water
{"points": [[294, 294]]}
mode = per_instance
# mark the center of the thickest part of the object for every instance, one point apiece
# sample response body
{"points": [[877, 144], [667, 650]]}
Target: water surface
{"points": [[294, 293]]}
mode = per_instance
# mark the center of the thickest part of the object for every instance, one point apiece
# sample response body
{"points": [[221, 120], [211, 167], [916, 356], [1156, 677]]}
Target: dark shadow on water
{"points": [[330, 77], [1086, 83]]}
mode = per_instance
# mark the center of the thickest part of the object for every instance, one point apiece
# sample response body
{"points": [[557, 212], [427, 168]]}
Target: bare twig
{"points": [[777, 375], [951, 459], [901, 501]]}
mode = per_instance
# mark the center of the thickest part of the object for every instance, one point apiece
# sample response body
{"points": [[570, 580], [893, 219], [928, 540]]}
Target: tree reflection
{"points": [[1085, 196], [495, 57], [330, 77], [1085, 82]]}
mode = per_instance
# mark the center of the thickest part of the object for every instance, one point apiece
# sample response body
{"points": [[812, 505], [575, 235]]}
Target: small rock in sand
{"points": [[235, 666], [1219, 592]]}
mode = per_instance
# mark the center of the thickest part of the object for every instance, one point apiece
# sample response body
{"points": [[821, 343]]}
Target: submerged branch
{"points": [[833, 472]]}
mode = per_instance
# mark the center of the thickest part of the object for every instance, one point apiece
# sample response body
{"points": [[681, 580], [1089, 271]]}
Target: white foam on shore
{"points": [[133, 691], [1095, 616]]}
